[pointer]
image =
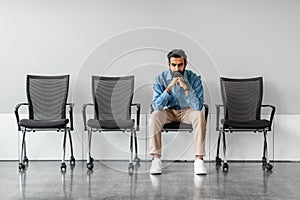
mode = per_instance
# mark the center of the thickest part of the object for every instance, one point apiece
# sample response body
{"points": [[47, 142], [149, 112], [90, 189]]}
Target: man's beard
{"points": [[177, 73]]}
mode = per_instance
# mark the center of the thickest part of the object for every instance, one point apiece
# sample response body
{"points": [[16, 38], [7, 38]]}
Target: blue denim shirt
{"points": [[177, 99]]}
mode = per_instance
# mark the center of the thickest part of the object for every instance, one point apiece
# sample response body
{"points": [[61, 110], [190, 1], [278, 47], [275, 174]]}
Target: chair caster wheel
{"points": [[137, 165], [269, 167], [72, 161], [130, 169], [130, 166], [218, 161], [225, 167], [63, 167], [90, 166], [25, 161], [137, 160], [21, 167]]}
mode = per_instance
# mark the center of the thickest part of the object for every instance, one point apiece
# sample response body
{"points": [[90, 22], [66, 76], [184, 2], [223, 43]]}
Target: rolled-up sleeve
{"points": [[160, 96]]}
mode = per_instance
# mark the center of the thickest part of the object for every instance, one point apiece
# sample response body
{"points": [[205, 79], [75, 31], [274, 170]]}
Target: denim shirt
{"points": [[177, 99]]}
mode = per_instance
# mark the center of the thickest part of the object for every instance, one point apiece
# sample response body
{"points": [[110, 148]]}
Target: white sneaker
{"points": [[155, 166], [199, 167]]}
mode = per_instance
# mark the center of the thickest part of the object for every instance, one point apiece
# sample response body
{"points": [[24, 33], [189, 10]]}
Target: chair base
{"points": [[133, 145], [265, 166], [265, 161], [23, 160], [131, 166], [63, 167]]}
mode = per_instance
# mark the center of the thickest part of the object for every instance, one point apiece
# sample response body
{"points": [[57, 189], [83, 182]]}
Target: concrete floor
{"points": [[111, 180]]}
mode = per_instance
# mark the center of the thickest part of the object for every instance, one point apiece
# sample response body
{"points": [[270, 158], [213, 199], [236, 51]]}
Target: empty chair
{"points": [[47, 104], [242, 104], [112, 98]]}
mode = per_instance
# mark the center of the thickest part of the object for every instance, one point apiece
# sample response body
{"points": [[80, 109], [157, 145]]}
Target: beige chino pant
{"points": [[189, 116]]}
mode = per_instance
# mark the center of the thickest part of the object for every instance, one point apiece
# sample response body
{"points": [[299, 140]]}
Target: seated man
{"points": [[177, 97]]}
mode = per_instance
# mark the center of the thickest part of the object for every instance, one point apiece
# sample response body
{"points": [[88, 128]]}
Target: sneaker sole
{"points": [[203, 173], [155, 173]]}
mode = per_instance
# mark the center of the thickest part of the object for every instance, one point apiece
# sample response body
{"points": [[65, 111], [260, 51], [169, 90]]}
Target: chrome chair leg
{"points": [[72, 159], [136, 158], [22, 144], [63, 166], [225, 165], [218, 159], [90, 160], [268, 166], [130, 165]]}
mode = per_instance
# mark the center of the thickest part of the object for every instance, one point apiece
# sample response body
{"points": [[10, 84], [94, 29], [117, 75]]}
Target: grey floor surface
{"points": [[111, 180]]}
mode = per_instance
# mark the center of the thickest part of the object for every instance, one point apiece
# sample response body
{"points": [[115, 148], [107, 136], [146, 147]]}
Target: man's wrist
{"points": [[168, 90], [187, 91]]}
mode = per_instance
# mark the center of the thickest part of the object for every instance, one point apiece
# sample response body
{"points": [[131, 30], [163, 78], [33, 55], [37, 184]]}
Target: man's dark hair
{"points": [[177, 53]]}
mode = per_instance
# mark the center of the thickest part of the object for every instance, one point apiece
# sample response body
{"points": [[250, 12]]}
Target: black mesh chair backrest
{"points": [[47, 97], [242, 98], [112, 97]]}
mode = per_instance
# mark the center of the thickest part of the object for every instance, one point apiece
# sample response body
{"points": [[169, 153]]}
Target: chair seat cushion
{"points": [[110, 124], [177, 126], [253, 124], [29, 123]]}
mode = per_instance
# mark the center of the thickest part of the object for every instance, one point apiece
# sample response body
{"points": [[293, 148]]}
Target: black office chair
{"points": [[47, 102], [112, 98], [242, 103]]}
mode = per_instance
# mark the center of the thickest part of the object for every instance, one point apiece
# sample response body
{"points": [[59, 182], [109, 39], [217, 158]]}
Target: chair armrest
{"points": [[218, 107], [138, 114], [71, 106], [84, 106], [273, 109], [17, 113], [206, 111]]}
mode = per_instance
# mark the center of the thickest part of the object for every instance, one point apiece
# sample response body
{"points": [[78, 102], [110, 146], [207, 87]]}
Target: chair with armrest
{"points": [[47, 104], [112, 98], [242, 104]]}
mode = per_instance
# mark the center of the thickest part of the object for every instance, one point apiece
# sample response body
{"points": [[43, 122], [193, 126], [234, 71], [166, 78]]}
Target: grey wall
{"points": [[222, 38]]}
